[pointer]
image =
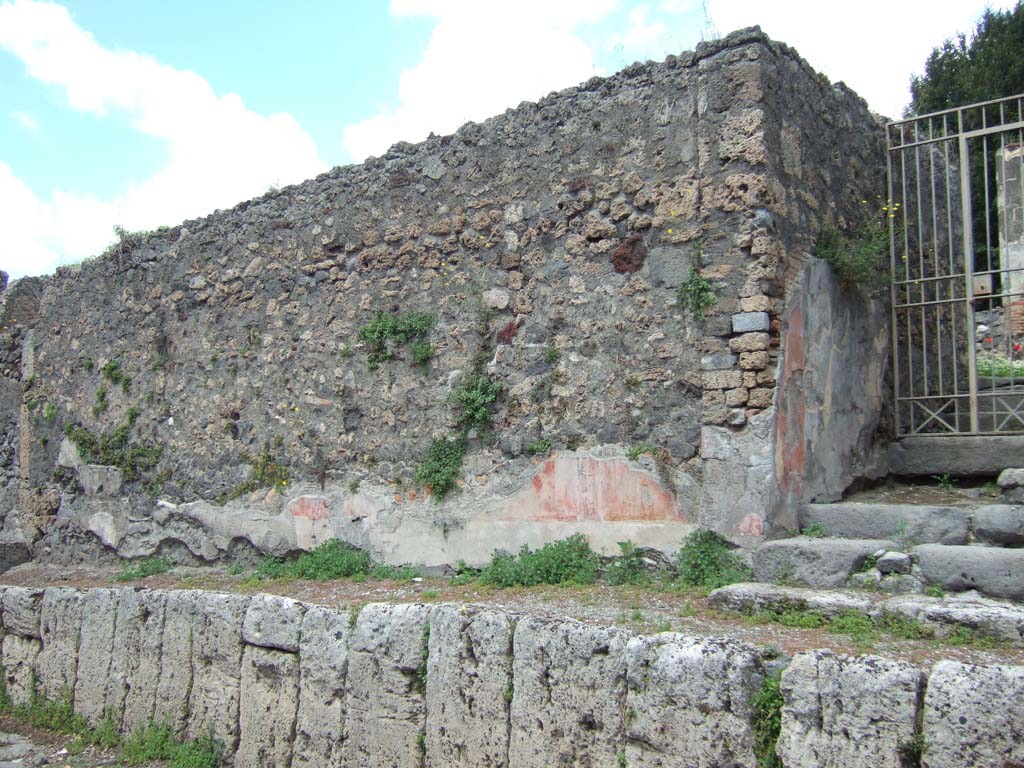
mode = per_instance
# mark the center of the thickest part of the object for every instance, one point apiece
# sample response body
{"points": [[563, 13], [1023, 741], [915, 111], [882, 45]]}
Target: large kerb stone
{"points": [[854, 713], [974, 716], [690, 701], [569, 691]]}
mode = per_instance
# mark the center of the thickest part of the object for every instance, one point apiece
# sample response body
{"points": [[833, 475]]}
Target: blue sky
{"points": [[142, 114]]}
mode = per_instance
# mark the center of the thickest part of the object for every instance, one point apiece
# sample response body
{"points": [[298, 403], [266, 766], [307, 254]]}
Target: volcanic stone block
{"points": [[181, 622], [386, 707], [469, 679], [60, 625], [99, 612], [689, 701], [216, 667], [23, 610], [825, 563], [840, 711], [20, 655], [323, 665], [270, 698], [138, 653], [994, 571], [569, 690], [974, 716], [273, 622]]}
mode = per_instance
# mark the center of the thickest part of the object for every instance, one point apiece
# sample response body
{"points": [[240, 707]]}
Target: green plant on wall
{"points": [[387, 331], [858, 254], [696, 295]]}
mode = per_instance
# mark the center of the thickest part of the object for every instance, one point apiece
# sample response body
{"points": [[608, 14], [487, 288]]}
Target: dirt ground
{"points": [[642, 610]]}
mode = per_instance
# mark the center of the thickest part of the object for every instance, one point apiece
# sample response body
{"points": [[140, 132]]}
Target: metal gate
{"points": [[956, 230]]}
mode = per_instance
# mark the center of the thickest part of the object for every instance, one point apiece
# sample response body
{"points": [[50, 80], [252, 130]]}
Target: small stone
{"points": [[754, 361], [746, 322], [750, 342], [496, 298], [723, 379], [894, 562], [737, 417], [718, 361], [756, 304], [197, 283], [736, 397], [1012, 477]]}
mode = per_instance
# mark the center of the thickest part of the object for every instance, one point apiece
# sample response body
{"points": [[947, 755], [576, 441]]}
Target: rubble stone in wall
{"points": [[569, 690], [269, 700], [99, 613], [22, 609], [689, 702], [138, 654], [20, 655], [469, 682], [273, 622], [385, 709], [60, 625], [216, 667], [182, 622], [323, 667], [842, 712], [974, 716]]}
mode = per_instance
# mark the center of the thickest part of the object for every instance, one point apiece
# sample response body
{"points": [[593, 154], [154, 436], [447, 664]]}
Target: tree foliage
{"points": [[964, 70]]}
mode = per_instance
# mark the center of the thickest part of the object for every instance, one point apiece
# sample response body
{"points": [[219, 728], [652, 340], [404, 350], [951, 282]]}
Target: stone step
{"points": [[984, 617], [994, 571], [959, 455], [911, 523], [815, 562], [1000, 525]]}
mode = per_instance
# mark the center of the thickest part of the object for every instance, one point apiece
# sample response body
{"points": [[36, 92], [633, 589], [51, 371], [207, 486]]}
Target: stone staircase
{"points": [[902, 548], [975, 544]]}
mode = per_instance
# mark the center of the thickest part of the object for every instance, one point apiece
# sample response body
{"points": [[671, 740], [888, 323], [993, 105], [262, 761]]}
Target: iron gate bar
{"points": [[933, 288]]}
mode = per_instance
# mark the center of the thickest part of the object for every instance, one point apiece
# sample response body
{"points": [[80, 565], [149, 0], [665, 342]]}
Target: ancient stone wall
{"points": [[281, 682], [548, 244]]}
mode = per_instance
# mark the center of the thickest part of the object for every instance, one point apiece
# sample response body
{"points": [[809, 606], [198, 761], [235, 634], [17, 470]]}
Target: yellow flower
{"points": [[670, 230]]}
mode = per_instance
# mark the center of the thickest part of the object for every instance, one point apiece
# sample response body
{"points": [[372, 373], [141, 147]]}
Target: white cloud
{"points": [[218, 152], [26, 120], [481, 58], [872, 46], [641, 31]]}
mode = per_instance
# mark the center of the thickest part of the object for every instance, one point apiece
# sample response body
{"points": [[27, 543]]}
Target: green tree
{"points": [[962, 70]]}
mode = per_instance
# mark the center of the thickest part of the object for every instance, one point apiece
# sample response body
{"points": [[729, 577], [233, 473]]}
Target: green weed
{"points": [[857, 257], [706, 560], [333, 559], [154, 742], [768, 721], [696, 295], [440, 468], [989, 364], [815, 531], [387, 331], [567, 561], [140, 569], [542, 446], [473, 398], [115, 448], [629, 567], [396, 572]]}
